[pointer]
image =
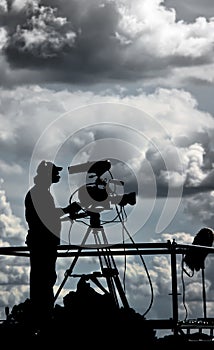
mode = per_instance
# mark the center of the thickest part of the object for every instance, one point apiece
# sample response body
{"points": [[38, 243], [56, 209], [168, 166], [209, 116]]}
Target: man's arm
{"points": [[72, 208]]}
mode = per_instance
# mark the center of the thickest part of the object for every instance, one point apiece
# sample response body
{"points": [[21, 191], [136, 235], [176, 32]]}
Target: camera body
{"points": [[101, 193]]}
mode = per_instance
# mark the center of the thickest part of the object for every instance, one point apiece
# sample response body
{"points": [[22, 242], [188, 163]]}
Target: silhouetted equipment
{"points": [[94, 197], [96, 167], [7, 311], [108, 266], [124, 318], [101, 193], [195, 258]]}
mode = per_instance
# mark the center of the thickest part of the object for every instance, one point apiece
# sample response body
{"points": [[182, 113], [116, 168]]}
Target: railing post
{"points": [[174, 286], [204, 294]]}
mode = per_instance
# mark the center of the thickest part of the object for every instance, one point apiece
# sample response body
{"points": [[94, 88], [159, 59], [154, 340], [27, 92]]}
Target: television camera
{"points": [[94, 197], [101, 193]]}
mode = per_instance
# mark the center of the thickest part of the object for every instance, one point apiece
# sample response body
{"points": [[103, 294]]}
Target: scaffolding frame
{"points": [[169, 248]]}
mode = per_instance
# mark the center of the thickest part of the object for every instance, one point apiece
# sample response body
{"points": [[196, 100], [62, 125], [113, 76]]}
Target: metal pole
{"points": [[204, 293], [174, 287]]}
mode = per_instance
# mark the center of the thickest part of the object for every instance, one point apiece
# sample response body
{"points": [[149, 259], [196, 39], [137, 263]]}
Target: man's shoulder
{"points": [[38, 190], [39, 195]]}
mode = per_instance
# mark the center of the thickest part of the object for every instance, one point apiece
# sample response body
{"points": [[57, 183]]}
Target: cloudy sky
{"points": [[129, 81]]}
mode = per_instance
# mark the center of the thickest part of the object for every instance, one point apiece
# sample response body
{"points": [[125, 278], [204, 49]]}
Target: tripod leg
{"points": [[115, 279], [108, 270], [118, 282], [112, 277], [68, 272], [121, 292]]}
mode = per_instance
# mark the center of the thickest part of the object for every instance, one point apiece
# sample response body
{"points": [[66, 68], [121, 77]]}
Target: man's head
{"points": [[49, 171]]}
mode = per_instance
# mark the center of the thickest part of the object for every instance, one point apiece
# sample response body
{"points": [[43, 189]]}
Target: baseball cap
{"points": [[46, 167]]}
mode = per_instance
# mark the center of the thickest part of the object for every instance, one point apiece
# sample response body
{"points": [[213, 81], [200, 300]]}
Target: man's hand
{"points": [[72, 208]]}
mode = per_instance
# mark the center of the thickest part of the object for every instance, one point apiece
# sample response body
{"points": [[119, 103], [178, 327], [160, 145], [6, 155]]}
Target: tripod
{"points": [[107, 263]]}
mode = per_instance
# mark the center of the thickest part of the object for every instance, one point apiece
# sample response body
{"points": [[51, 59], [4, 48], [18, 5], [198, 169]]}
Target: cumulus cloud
{"points": [[12, 230], [44, 34], [179, 237], [14, 276], [173, 149], [75, 42]]}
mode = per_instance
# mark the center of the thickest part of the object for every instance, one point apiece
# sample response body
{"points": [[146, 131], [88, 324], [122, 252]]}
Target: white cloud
{"points": [[193, 164], [172, 134], [154, 29], [14, 276], [3, 5], [11, 228], [3, 37], [179, 237]]}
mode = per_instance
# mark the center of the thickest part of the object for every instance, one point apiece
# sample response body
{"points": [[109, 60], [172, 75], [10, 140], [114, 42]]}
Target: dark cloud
{"points": [[73, 45], [42, 35], [89, 42]]}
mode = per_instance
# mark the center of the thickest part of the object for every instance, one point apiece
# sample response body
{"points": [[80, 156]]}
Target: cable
{"points": [[69, 233], [188, 274], [183, 287], [183, 284], [109, 221], [125, 263], [125, 229], [143, 262], [72, 194]]}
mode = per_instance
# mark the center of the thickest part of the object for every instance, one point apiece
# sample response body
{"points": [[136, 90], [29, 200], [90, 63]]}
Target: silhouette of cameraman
{"points": [[44, 223]]}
